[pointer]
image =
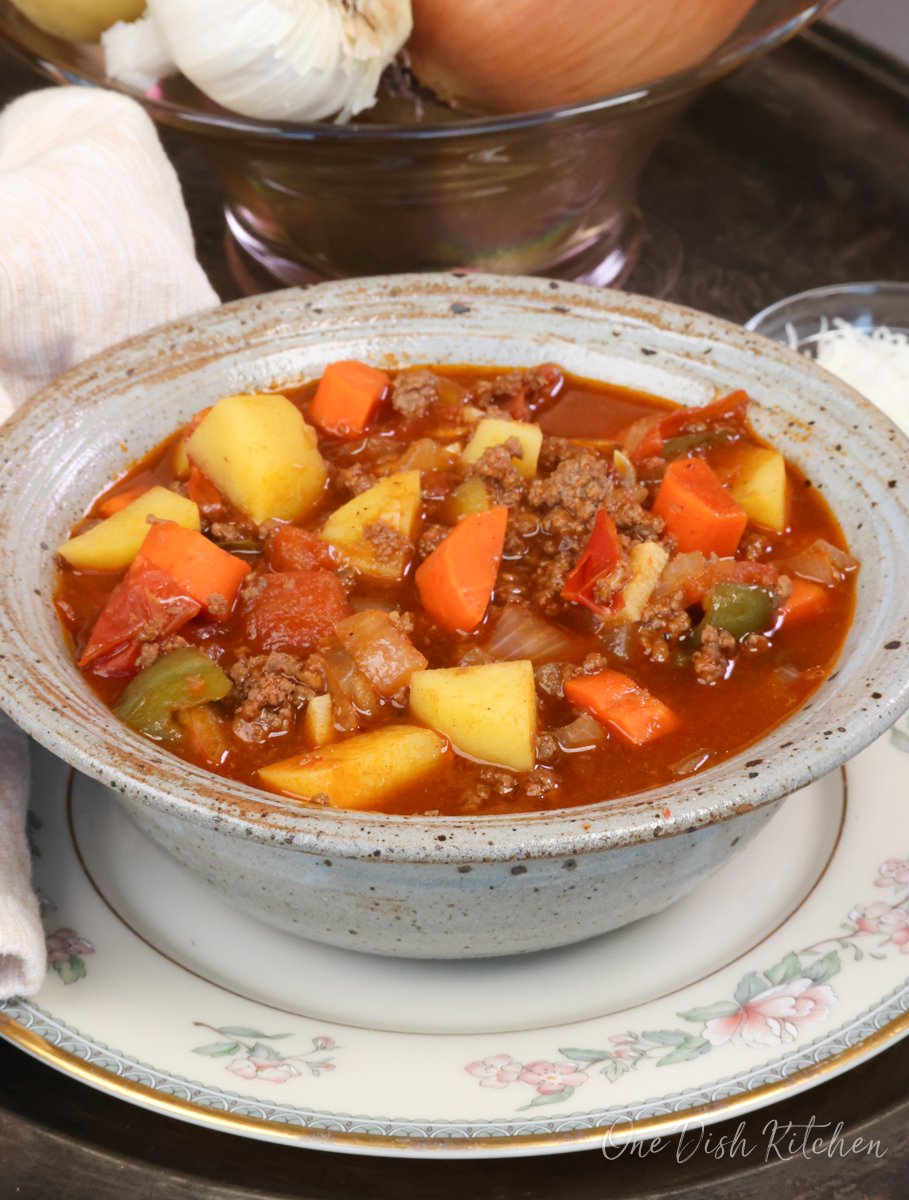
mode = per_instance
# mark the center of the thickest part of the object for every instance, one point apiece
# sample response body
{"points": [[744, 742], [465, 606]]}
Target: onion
{"points": [[509, 55], [582, 734], [681, 570], [383, 652], [351, 691], [821, 563], [519, 633]]}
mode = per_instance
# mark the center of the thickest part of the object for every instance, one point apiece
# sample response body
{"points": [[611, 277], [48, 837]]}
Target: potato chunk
{"points": [[356, 527], [259, 452], [319, 721], [360, 771], [758, 484], [114, 543], [489, 712], [493, 431]]}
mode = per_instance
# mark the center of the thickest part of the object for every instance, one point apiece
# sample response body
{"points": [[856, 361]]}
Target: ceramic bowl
{"points": [[455, 887]]}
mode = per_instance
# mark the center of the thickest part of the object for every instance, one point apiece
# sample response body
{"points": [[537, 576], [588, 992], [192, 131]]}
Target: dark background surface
{"points": [[791, 175]]}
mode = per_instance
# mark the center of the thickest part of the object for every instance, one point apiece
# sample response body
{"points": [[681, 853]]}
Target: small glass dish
{"points": [[857, 331], [799, 320]]}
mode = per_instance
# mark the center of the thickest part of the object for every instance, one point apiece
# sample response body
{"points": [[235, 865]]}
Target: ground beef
{"points": [[783, 589], [475, 656], [493, 783], [431, 537], [549, 578], [570, 496], [540, 782], [387, 544], [518, 391], [151, 651], [555, 450], [495, 467], [547, 748], [231, 531], [711, 662], [356, 479], [550, 679], [664, 625], [415, 392], [521, 526], [754, 546], [756, 643], [269, 690]]}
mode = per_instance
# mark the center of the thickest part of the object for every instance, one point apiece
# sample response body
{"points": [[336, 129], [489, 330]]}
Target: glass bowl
{"points": [[802, 322], [549, 192]]}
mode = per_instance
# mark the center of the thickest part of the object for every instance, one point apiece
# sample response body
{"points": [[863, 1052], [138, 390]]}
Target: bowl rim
{"points": [[37, 699], [864, 287], [732, 53]]}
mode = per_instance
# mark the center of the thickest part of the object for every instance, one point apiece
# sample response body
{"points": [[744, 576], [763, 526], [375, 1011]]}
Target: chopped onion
{"points": [[582, 734], [616, 638], [422, 455], [351, 691], [382, 651], [691, 763], [679, 571], [519, 633], [821, 563]]}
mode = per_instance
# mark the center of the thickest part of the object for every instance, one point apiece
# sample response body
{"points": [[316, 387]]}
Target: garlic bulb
{"points": [[81, 20], [135, 53], [512, 55], [288, 60]]}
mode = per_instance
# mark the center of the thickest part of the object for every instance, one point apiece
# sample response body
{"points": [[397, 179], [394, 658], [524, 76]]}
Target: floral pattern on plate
{"points": [[767, 1009], [252, 1058]]}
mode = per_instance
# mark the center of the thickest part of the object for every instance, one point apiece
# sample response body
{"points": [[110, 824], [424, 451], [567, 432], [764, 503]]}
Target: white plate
{"points": [[787, 967]]}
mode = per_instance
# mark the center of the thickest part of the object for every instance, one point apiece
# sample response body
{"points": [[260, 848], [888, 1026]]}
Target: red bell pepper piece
{"points": [[600, 556]]}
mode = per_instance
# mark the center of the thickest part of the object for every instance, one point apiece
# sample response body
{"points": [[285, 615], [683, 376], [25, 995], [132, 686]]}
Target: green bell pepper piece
{"points": [[741, 608], [181, 679]]}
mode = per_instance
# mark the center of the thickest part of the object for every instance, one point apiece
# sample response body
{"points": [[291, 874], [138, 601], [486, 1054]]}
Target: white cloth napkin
{"points": [[95, 246]]}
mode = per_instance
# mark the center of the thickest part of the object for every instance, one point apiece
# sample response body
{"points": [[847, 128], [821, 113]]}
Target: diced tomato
{"points": [[146, 606], [645, 438], [728, 570], [599, 557], [289, 548], [293, 610], [203, 492]]}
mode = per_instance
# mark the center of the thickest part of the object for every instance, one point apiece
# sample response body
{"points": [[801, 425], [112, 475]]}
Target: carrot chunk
{"points": [[698, 511], [456, 581], [210, 575], [347, 397], [807, 600], [617, 702]]}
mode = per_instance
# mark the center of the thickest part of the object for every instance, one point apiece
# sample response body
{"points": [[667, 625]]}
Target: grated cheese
{"points": [[873, 361]]}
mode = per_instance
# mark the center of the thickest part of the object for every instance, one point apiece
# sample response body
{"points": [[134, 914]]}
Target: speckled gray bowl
{"points": [[467, 886]]}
